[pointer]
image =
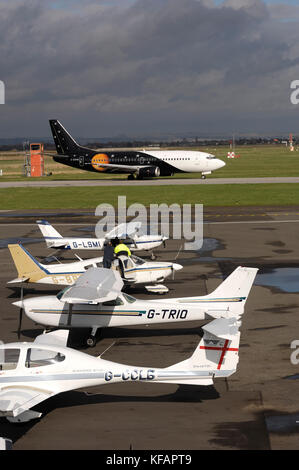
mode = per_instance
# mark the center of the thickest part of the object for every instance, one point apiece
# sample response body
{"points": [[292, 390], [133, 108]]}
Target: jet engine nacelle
{"points": [[149, 171]]}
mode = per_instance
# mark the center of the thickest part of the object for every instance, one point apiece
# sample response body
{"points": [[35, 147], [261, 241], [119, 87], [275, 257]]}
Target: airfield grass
{"points": [[90, 197], [254, 161]]}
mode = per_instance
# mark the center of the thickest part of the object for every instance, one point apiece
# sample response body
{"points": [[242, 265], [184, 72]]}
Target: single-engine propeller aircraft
{"points": [[134, 239], [141, 163], [96, 301], [30, 373], [133, 270]]}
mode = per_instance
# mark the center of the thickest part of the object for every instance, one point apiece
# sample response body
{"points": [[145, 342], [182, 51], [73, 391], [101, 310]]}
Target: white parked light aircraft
{"points": [[96, 301], [133, 270], [133, 238], [30, 373]]}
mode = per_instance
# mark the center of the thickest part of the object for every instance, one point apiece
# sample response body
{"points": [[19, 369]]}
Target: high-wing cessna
{"points": [[133, 270], [96, 301], [142, 163], [135, 239], [30, 373]]}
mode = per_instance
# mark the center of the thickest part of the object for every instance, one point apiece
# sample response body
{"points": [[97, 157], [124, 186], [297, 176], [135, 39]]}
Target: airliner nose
{"points": [[220, 164]]}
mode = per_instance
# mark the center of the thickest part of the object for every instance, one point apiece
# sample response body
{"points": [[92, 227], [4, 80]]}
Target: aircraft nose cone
{"points": [[221, 164], [177, 266]]}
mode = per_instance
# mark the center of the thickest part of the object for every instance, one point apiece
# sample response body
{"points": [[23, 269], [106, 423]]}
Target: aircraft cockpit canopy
{"points": [[11, 358]]}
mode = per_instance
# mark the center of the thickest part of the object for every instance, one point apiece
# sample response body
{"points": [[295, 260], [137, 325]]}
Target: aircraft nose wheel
{"points": [[203, 177]]}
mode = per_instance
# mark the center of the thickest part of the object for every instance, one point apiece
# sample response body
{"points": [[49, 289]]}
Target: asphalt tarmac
{"points": [[145, 182], [257, 408]]}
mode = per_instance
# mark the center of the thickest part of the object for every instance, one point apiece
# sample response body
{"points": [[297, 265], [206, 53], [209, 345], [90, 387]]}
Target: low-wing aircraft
{"points": [[133, 270], [141, 163], [96, 301], [30, 373], [135, 239]]}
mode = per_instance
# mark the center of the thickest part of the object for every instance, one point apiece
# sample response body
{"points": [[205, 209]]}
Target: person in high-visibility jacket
{"points": [[122, 249]]}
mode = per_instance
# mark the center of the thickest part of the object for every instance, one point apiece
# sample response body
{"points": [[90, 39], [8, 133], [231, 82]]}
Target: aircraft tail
{"points": [[233, 292], [216, 355], [28, 268], [64, 142], [48, 231], [235, 288]]}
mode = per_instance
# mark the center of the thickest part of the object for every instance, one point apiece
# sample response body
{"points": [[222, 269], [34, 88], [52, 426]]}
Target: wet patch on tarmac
{"points": [[205, 253], [23, 241], [284, 279], [283, 423]]}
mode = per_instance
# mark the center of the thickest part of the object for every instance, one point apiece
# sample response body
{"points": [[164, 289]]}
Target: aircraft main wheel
{"points": [[91, 341], [153, 256], [203, 177], [131, 177]]}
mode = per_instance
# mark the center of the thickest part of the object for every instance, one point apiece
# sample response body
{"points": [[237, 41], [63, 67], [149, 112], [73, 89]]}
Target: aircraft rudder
{"points": [[64, 142], [48, 231], [24, 262]]}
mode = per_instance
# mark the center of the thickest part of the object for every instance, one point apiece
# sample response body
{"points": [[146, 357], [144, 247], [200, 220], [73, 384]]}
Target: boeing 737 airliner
{"points": [[141, 164]]}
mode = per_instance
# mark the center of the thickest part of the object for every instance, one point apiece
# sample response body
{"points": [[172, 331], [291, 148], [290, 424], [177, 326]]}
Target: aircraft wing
{"points": [[96, 285], [124, 168], [18, 279], [56, 337], [15, 400], [124, 230]]}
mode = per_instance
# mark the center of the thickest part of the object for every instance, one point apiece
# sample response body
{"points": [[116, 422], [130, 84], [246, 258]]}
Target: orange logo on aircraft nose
{"points": [[98, 159]]}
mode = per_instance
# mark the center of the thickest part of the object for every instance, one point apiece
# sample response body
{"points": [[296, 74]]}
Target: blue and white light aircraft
{"points": [[135, 239], [96, 301]]}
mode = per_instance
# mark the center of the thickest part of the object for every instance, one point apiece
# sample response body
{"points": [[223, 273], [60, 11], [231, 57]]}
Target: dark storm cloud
{"points": [[140, 66]]}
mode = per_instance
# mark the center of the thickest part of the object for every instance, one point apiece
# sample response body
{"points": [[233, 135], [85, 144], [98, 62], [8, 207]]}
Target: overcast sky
{"points": [[139, 67]]}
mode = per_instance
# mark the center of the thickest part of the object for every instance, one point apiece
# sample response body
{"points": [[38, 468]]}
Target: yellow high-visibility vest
{"points": [[122, 247]]}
